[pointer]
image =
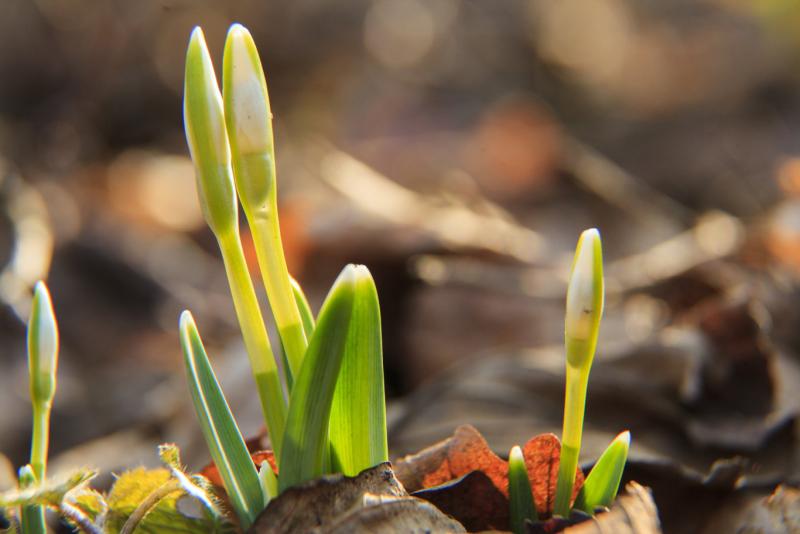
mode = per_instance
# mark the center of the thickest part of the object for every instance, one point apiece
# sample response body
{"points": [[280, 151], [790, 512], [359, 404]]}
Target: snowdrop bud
{"points": [[204, 122], [585, 298], [42, 346], [249, 120]]}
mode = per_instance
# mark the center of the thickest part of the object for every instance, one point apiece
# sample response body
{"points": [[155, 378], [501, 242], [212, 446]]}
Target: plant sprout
{"points": [[520, 495], [208, 143], [600, 487], [249, 122], [581, 326], [335, 417], [42, 366]]}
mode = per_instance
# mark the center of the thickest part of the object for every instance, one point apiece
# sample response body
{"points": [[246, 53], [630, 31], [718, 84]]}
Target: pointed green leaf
{"points": [[222, 436], [602, 484], [358, 416], [305, 442], [269, 482], [520, 495]]}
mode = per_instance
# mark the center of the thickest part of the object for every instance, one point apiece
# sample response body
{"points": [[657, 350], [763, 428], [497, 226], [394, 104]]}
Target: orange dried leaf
{"points": [[542, 458]]}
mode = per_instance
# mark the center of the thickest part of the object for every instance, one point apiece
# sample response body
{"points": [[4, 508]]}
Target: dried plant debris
{"points": [[634, 512], [374, 499], [392, 515], [466, 479], [473, 499], [778, 513]]}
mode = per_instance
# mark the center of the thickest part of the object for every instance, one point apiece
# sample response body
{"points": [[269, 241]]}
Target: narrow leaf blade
{"points": [[358, 417], [520, 495], [222, 436], [602, 484], [305, 442]]}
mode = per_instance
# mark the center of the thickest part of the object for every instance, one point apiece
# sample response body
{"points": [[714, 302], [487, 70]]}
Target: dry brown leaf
{"points": [[542, 458], [474, 500], [392, 515], [322, 501], [434, 472], [634, 512]]}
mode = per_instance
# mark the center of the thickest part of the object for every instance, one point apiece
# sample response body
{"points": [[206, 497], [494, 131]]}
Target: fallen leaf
{"points": [[322, 501], [634, 512], [542, 458], [466, 452], [473, 499], [392, 515]]}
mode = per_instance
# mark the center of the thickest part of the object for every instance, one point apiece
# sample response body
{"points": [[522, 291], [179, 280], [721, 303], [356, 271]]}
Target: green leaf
{"points": [[602, 484], [305, 442], [307, 321], [358, 416], [520, 495], [222, 436], [269, 482], [132, 488]]}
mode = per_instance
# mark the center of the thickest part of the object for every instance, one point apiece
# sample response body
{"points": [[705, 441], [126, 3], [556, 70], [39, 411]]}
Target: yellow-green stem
{"points": [[263, 220], [41, 439], [255, 337], [574, 408], [34, 515], [269, 250]]}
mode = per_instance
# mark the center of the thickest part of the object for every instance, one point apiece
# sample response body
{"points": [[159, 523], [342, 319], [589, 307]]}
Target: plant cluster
{"points": [[322, 392]]}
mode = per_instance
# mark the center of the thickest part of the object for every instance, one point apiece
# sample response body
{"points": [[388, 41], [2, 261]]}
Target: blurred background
{"points": [[457, 148]]}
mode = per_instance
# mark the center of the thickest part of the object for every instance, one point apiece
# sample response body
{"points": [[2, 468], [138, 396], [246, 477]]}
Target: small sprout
{"points": [[42, 367], [601, 486], [520, 494], [32, 518], [269, 482], [249, 121], [221, 434], [581, 327]]}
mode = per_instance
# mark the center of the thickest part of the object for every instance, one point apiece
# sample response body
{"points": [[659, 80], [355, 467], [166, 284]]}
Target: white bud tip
{"points": [[516, 455], [46, 328], [624, 437], [584, 292], [186, 320], [248, 101]]}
